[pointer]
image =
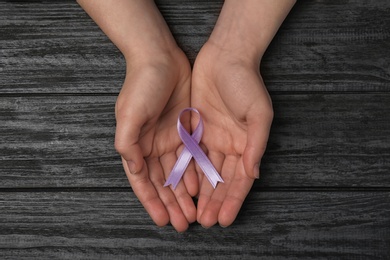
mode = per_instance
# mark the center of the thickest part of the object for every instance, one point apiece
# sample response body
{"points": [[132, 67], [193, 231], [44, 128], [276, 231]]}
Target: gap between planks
{"points": [[254, 189], [272, 93]]}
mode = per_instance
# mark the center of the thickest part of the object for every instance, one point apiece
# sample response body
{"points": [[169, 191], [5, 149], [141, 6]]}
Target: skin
{"points": [[155, 90], [227, 89]]}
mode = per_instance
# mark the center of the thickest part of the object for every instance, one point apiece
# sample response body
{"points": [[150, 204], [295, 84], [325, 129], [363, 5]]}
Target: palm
{"points": [[233, 102]]}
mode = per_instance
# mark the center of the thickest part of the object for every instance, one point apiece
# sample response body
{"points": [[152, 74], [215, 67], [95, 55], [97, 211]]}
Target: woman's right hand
{"points": [[156, 89]]}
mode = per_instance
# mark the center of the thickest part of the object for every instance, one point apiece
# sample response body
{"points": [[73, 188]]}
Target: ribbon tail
{"points": [[202, 160], [179, 168]]}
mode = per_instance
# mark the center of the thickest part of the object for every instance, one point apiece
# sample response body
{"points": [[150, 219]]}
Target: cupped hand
{"points": [[154, 92], [237, 111]]}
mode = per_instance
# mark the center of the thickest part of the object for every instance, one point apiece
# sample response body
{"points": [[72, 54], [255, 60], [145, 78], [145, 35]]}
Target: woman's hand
{"points": [[151, 98], [229, 92], [156, 89], [237, 114]]}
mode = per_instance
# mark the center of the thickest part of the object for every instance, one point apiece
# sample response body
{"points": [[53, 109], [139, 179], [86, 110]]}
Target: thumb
{"points": [[126, 142], [257, 138]]}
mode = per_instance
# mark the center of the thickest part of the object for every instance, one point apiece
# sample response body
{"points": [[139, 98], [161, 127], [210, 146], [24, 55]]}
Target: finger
{"points": [[257, 138], [176, 216], [239, 188], [206, 189], [126, 141], [211, 211], [147, 195], [198, 170], [190, 177], [182, 197]]}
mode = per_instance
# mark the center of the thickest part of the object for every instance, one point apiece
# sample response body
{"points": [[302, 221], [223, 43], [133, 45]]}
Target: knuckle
{"points": [[120, 147]]}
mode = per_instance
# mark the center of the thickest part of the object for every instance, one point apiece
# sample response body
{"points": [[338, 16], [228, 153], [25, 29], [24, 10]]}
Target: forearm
{"points": [[247, 27], [136, 27]]}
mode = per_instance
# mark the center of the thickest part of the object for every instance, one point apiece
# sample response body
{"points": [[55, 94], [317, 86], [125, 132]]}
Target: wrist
{"points": [[230, 44], [154, 56], [234, 32], [247, 27], [148, 48], [137, 28]]}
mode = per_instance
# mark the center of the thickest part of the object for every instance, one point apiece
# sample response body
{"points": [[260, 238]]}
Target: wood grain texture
{"points": [[317, 140], [326, 172], [59, 141], [273, 225], [331, 46], [54, 47]]}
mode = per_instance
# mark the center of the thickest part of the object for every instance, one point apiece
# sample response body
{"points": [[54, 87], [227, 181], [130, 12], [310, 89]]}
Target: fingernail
{"points": [[131, 165], [205, 227], [256, 170]]}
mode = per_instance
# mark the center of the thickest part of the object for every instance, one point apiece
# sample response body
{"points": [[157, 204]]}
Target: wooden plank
{"points": [[329, 140], [331, 46], [317, 140], [273, 225], [54, 47], [59, 141]]}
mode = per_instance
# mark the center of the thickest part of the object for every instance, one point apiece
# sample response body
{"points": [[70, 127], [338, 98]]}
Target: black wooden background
{"points": [[324, 191]]}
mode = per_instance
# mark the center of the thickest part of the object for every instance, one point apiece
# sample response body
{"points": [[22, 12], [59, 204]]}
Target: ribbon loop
{"points": [[192, 149]]}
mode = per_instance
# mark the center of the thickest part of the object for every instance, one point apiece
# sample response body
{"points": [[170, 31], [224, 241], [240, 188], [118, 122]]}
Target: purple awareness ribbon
{"points": [[192, 149]]}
